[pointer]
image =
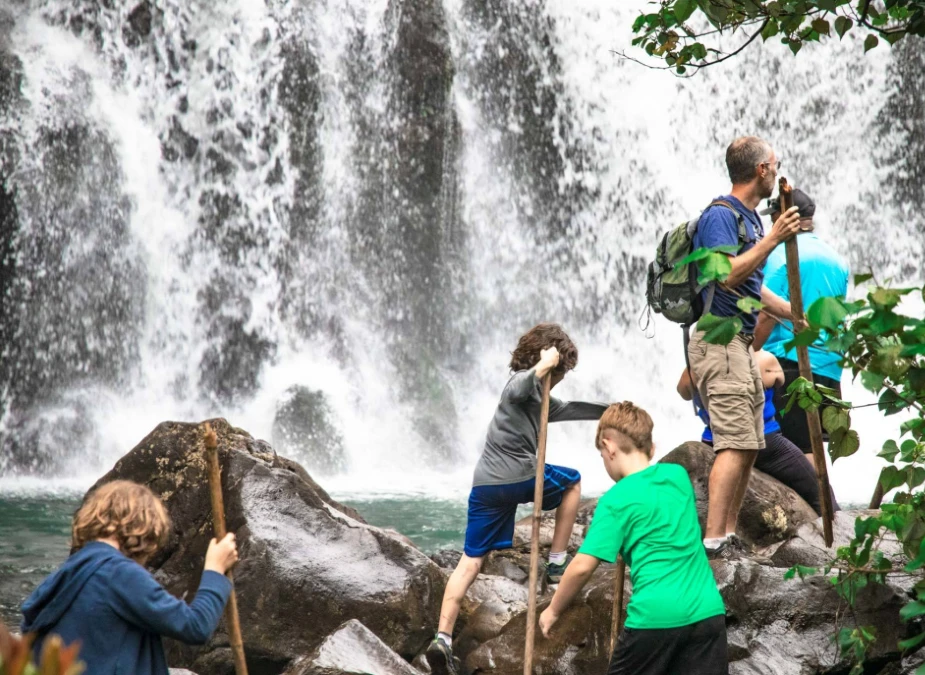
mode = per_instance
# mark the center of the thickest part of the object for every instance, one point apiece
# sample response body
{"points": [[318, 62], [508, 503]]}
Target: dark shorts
{"points": [[793, 425], [784, 461], [697, 649], [493, 508]]}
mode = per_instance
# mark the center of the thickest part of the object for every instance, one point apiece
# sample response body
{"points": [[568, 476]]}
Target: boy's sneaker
{"points": [[725, 551], [554, 572], [748, 552], [440, 658]]}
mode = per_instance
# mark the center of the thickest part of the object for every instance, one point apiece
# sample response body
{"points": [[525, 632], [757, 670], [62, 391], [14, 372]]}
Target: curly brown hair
{"points": [[127, 511], [543, 336], [629, 420]]}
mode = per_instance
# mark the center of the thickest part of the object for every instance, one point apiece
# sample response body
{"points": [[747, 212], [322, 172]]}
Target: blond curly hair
{"points": [[126, 511]]}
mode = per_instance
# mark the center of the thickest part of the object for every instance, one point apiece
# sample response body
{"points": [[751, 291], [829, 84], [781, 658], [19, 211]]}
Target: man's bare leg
{"points": [[729, 468], [733, 515], [462, 578], [566, 513]]}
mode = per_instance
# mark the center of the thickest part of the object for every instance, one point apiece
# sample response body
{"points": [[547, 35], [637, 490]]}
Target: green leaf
{"points": [[719, 330], [789, 574], [683, 9], [894, 36], [795, 45], [715, 267], [912, 610], [913, 350], [770, 29], [887, 297], [911, 642], [916, 426], [872, 381], [891, 478], [749, 305], [889, 451], [858, 278], [870, 42], [821, 26], [827, 312], [844, 443], [804, 338], [915, 476], [835, 418], [827, 5], [842, 25]]}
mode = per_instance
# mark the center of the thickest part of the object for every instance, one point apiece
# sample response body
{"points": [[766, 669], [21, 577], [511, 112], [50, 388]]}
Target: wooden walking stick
{"points": [[616, 619], [799, 323], [218, 523], [537, 511]]}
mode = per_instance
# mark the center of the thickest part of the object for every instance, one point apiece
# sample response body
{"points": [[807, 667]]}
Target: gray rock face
{"points": [[352, 649], [305, 428], [771, 511], [307, 563]]}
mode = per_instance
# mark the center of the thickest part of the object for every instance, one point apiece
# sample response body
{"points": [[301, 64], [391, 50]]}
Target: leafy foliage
{"points": [[683, 33], [15, 656], [886, 350]]}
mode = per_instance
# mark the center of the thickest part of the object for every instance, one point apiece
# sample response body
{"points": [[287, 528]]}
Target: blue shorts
{"points": [[492, 508]]}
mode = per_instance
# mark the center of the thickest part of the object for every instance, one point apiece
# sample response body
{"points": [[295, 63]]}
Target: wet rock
{"points": [[305, 428], [352, 649], [488, 607], [807, 546], [781, 627], [307, 563], [447, 558], [771, 511], [140, 19]]}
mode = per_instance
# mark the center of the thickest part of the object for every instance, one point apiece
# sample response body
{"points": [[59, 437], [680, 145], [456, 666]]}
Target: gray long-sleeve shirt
{"points": [[510, 444]]}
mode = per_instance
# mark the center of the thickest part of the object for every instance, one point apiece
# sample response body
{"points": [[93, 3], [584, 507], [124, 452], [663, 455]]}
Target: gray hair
{"points": [[743, 156]]}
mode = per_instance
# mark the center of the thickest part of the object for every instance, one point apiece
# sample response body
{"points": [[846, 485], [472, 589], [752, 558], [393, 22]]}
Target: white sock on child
{"points": [[714, 543], [557, 558], [447, 638]]}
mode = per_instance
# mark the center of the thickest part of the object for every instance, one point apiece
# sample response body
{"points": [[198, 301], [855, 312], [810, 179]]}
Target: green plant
{"points": [[886, 350], [683, 34], [16, 652]]}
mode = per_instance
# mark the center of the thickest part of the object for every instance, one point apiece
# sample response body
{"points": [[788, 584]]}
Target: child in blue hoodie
{"points": [[104, 597]]}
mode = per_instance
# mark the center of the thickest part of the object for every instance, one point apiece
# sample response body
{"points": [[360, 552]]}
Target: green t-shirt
{"points": [[650, 519]]}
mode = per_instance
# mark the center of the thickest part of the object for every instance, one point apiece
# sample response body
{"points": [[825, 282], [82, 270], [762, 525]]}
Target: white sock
{"points": [[557, 558], [714, 543], [447, 638], [730, 534]]}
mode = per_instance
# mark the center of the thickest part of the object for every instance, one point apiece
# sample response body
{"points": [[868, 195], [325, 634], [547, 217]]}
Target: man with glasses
{"points": [[727, 376]]}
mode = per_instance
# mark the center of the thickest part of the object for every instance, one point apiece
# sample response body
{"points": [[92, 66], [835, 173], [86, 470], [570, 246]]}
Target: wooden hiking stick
{"points": [[616, 618], [799, 323], [537, 511], [218, 524]]}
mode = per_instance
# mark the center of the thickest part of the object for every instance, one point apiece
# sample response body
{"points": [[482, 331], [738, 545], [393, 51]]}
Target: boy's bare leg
{"points": [[729, 468], [733, 516], [566, 513], [462, 578]]}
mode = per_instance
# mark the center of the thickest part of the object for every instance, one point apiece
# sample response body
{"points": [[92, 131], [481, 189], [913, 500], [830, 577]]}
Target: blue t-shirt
{"points": [[770, 416], [718, 226], [823, 273]]}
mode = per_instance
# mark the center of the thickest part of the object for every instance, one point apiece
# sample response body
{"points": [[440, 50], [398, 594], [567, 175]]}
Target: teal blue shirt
{"points": [[823, 273]]}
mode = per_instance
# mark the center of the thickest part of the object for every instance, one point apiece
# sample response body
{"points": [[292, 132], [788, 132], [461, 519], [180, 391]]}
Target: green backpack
{"points": [[672, 289]]}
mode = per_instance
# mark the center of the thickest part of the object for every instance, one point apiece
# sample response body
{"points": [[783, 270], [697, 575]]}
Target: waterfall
{"points": [[329, 222]]}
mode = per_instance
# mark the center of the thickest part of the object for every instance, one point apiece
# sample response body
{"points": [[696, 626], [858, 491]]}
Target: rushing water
{"points": [[223, 208]]}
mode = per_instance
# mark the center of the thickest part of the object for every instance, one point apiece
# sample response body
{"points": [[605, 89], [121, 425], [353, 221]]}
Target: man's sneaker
{"points": [[748, 552], [725, 551], [554, 572], [440, 658]]}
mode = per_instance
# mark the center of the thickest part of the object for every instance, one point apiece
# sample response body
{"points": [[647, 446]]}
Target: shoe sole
{"points": [[437, 662]]}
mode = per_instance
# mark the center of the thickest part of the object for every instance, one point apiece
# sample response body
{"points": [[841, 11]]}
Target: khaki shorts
{"points": [[729, 384]]}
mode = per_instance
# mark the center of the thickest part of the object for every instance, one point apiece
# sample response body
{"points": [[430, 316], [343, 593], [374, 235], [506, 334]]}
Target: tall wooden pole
{"points": [[799, 323], [537, 513], [218, 522], [616, 618]]}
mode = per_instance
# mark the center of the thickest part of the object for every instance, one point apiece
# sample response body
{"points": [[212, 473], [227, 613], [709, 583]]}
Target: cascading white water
{"points": [[257, 156]]}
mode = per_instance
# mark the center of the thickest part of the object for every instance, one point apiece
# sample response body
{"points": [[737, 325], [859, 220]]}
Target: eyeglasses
{"points": [[769, 164]]}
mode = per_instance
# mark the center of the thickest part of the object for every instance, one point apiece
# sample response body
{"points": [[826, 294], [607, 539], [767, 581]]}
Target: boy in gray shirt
{"points": [[505, 475]]}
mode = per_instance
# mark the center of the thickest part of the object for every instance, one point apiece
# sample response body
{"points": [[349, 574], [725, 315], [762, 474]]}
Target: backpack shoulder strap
{"points": [[740, 219]]}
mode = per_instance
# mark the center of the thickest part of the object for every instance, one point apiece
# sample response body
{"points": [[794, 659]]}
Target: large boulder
{"points": [[771, 511], [352, 649], [307, 565]]}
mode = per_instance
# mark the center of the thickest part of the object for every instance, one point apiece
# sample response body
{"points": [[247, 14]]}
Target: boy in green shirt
{"points": [[675, 620]]}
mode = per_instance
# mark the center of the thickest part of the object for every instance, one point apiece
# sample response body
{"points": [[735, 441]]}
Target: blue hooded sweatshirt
{"points": [[119, 612]]}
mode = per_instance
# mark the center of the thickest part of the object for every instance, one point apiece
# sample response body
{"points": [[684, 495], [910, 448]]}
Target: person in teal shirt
{"points": [[675, 620], [823, 273]]}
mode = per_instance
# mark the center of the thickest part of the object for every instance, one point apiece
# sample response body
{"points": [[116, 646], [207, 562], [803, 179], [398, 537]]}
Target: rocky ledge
{"points": [[321, 592]]}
